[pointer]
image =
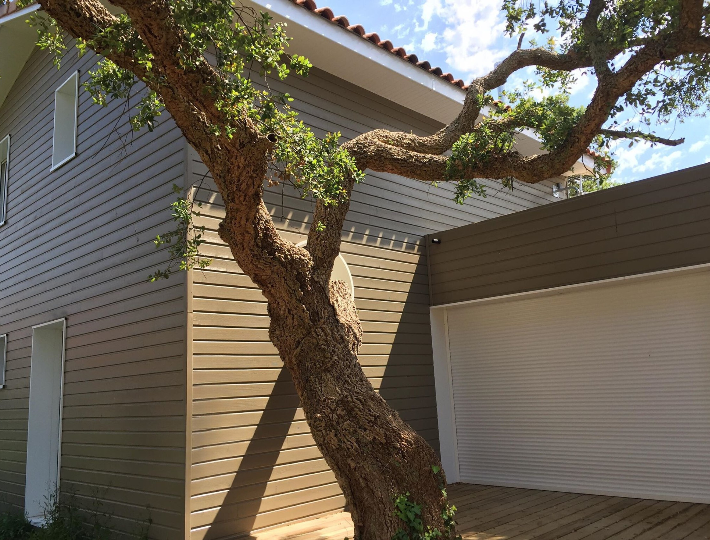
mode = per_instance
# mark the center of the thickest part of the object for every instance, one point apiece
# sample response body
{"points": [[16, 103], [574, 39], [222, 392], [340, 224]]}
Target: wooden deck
{"points": [[497, 513]]}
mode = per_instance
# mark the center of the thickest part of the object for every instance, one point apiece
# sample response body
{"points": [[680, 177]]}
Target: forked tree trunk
{"points": [[375, 455]]}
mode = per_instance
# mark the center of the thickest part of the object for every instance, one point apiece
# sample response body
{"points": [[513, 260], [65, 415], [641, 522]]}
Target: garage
{"points": [[586, 368]]}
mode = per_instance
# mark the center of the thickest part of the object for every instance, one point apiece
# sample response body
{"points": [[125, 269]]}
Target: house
{"points": [[166, 401]]}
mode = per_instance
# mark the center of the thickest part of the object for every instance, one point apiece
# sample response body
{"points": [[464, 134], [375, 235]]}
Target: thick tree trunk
{"points": [[375, 455]]}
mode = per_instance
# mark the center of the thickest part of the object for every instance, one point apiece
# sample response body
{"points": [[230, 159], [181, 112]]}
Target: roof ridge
{"points": [[372, 37]]}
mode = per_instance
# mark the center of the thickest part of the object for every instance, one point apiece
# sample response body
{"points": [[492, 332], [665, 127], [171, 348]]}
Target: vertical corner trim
{"points": [[446, 414]]}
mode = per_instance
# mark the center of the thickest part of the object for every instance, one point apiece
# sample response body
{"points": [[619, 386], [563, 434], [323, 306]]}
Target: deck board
{"points": [[501, 513]]}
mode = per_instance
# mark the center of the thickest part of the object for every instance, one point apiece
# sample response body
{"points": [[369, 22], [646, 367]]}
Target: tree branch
{"points": [[691, 16], [597, 46], [238, 164], [640, 135]]}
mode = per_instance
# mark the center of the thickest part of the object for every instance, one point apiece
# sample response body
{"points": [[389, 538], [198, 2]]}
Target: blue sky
{"points": [[465, 38]]}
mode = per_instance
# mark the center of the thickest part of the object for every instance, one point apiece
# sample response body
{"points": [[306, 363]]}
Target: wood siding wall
{"points": [[254, 463], [647, 226], [78, 245]]}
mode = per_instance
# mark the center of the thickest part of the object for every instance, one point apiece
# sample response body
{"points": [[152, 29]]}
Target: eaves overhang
{"points": [[348, 56], [17, 39]]}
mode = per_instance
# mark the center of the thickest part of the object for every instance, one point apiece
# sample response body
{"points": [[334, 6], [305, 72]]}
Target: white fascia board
{"points": [[17, 39], [583, 167], [358, 61], [19, 14]]}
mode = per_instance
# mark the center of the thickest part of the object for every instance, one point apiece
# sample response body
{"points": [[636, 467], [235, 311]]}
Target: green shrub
{"points": [[64, 519], [15, 526]]}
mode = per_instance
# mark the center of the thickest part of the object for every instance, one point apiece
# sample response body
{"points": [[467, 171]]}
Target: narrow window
{"points": [[4, 168], [65, 105], [3, 355], [44, 424]]}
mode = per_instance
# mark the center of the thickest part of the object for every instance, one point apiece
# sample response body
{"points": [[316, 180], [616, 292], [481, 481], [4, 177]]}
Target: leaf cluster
{"points": [[411, 515], [184, 241], [675, 89]]}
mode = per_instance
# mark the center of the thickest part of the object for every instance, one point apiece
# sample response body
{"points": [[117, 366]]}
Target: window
{"points": [[65, 105], [4, 169], [3, 354]]}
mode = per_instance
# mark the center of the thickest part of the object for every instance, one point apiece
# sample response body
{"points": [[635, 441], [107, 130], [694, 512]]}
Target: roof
{"points": [[372, 37], [10, 7]]}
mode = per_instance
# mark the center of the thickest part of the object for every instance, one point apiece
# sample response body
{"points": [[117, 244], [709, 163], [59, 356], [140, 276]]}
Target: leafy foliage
{"points": [[675, 90], [64, 519], [15, 526], [184, 241], [551, 118], [411, 515]]}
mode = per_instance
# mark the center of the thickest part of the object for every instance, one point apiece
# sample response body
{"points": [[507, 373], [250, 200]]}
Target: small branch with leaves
{"points": [[184, 241]]}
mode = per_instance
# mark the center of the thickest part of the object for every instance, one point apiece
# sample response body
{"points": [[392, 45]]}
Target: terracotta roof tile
{"points": [[343, 22]]}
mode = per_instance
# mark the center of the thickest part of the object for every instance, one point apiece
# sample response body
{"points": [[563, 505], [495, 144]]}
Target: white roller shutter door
{"points": [[603, 388]]}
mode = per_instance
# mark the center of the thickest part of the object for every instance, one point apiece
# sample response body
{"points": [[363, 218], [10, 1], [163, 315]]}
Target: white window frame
{"points": [[4, 181], [72, 80], [3, 360]]}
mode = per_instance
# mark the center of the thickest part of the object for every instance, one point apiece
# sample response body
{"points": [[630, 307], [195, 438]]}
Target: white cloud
{"points": [[470, 31], [385, 2], [429, 8], [658, 163], [699, 145], [401, 30], [429, 42], [628, 158], [582, 82]]}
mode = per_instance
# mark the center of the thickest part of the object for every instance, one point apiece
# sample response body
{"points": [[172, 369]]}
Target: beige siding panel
{"points": [[251, 449], [78, 245]]}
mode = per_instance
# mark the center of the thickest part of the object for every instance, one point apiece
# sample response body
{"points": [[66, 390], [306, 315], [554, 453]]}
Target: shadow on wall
{"points": [[408, 380], [252, 478], [407, 384]]}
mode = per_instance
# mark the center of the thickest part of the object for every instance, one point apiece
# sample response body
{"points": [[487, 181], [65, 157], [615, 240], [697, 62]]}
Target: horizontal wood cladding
{"points": [[646, 226], [78, 244], [254, 462]]}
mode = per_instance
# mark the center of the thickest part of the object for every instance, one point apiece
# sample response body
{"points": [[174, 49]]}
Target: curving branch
{"points": [[403, 154], [640, 135]]}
